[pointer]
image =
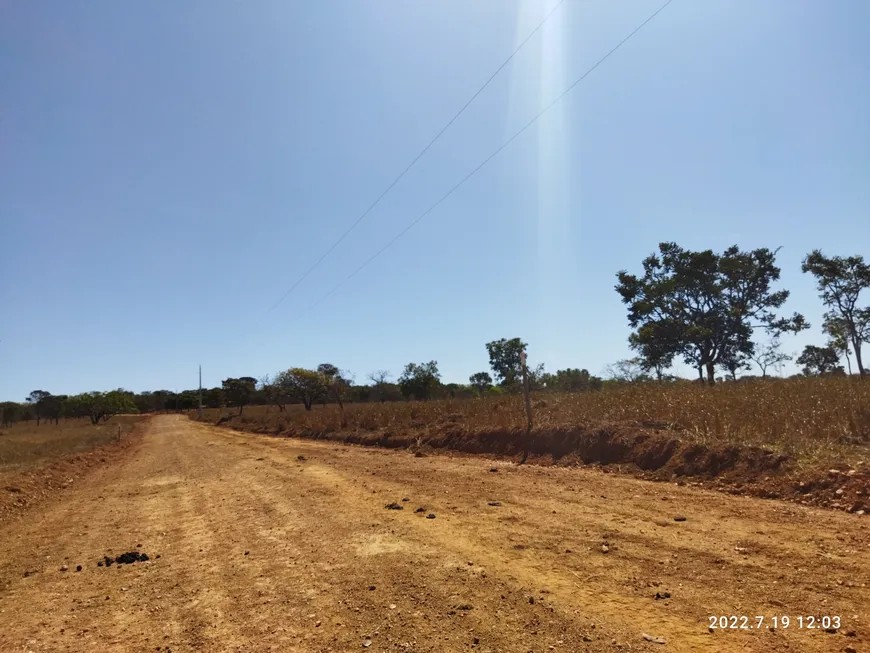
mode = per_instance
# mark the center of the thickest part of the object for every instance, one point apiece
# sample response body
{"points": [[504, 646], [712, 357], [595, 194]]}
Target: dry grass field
{"points": [[25, 444], [815, 421]]}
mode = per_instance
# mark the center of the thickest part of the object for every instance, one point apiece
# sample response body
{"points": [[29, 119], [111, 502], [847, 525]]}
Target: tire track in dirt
{"points": [[779, 576], [318, 536]]}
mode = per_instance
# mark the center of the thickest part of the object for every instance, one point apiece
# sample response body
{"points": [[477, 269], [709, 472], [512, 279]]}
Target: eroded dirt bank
{"points": [[642, 450]]}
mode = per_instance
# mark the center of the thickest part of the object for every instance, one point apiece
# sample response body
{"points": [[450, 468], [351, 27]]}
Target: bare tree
{"points": [[379, 379], [628, 370], [768, 356]]}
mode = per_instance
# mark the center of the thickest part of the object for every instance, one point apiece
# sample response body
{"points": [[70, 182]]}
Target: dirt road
{"points": [[261, 551]]}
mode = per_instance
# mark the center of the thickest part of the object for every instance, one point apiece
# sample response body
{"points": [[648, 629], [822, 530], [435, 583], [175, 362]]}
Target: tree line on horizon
{"points": [[700, 307]]}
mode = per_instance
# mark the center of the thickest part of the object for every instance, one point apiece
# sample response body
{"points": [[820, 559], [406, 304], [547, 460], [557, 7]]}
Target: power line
{"points": [[489, 158], [417, 158]]}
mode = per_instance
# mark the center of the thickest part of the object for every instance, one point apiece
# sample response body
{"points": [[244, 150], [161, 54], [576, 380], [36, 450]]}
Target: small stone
{"points": [[64, 568], [431, 515], [371, 588], [317, 624], [850, 649], [366, 643], [851, 633], [493, 469], [587, 638], [679, 518], [532, 600], [78, 567], [406, 499], [476, 640], [392, 606], [604, 548], [494, 503]]}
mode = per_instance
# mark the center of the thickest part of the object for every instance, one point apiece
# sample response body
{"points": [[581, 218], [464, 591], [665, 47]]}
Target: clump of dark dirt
{"points": [[431, 515], [124, 559], [420, 509], [394, 506]]}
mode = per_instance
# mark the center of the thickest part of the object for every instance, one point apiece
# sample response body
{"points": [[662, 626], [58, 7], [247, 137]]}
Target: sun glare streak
{"points": [[553, 216]]}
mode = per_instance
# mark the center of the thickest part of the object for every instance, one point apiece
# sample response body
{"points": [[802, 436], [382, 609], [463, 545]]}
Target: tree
{"points": [[480, 381], [53, 407], [336, 382], [213, 398], [37, 400], [840, 282], [768, 356], [654, 356], [628, 370], [735, 360], [239, 391], [704, 306], [819, 361], [273, 393], [10, 412], [302, 384], [505, 361], [573, 380], [838, 338], [101, 406], [420, 381], [380, 379]]}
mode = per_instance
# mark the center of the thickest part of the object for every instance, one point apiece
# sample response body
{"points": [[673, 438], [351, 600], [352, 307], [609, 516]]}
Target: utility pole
{"points": [[528, 402], [199, 412]]}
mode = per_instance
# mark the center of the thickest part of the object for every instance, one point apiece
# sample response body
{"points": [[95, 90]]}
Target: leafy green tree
{"points": [[654, 357], [53, 407], [840, 282], [10, 412], [819, 361], [239, 391], [704, 306], [336, 382], [273, 394], [505, 361], [37, 400], [302, 384], [838, 338], [101, 406], [573, 380], [769, 356], [213, 398], [420, 381], [480, 381]]}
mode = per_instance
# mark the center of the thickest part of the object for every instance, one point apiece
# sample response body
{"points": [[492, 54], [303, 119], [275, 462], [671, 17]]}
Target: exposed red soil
{"points": [[22, 489], [643, 450]]}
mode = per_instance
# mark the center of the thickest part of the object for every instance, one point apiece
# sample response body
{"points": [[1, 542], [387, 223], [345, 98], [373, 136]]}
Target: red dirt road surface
{"points": [[261, 550]]}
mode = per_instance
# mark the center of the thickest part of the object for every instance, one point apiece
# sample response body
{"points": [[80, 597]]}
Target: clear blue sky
{"points": [[169, 169]]}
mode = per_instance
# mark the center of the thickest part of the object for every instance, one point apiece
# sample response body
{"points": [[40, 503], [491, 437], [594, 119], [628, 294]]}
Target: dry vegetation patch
{"points": [[37, 461], [765, 437]]}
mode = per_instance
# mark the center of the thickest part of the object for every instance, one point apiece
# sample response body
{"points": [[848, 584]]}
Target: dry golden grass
{"points": [[811, 419], [25, 443]]}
